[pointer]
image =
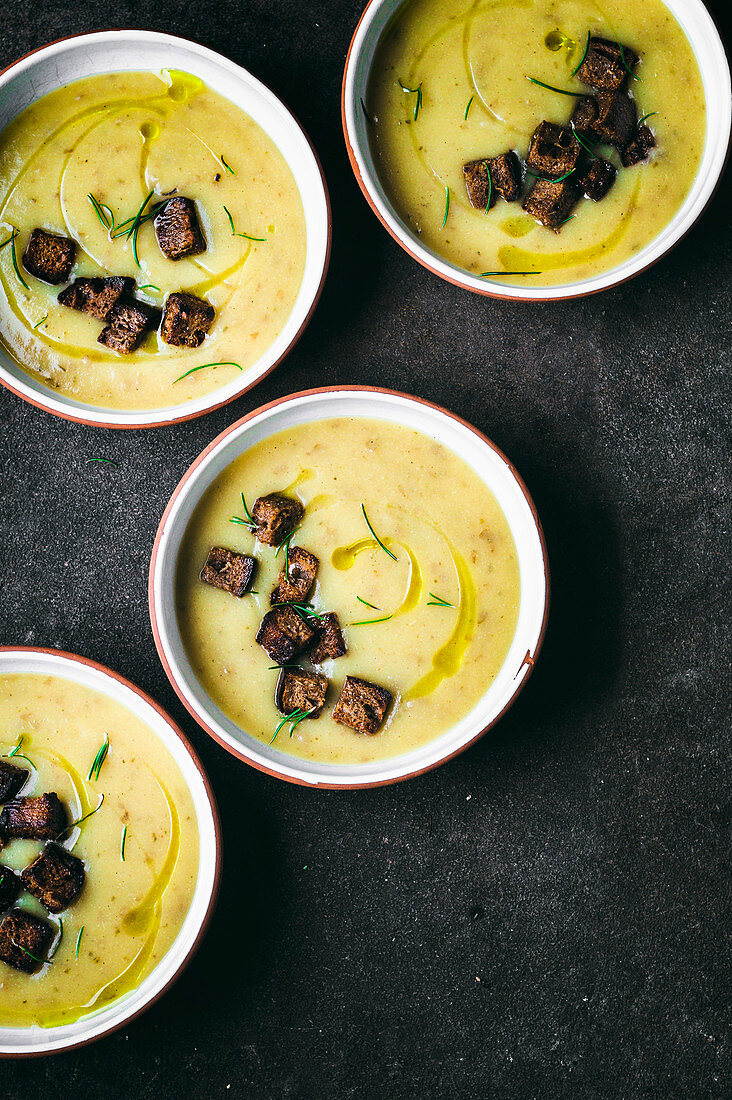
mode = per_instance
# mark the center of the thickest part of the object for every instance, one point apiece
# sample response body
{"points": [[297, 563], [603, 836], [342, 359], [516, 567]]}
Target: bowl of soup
{"points": [[536, 152], [109, 851], [164, 229], [348, 587]]}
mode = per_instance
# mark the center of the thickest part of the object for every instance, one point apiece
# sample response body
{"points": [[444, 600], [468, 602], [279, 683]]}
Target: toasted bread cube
{"points": [[228, 570], [186, 320], [56, 878], [296, 578], [96, 296], [331, 643], [24, 940], [597, 179], [554, 151], [361, 705], [584, 114], [283, 634], [551, 201], [49, 257], [639, 147], [12, 779], [603, 64], [616, 118], [503, 182], [478, 184], [276, 516], [178, 230], [506, 175], [129, 321], [300, 690], [10, 887], [38, 817]]}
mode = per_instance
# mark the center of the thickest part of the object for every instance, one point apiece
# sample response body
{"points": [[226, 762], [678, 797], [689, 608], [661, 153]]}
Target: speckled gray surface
{"points": [[541, 918]]}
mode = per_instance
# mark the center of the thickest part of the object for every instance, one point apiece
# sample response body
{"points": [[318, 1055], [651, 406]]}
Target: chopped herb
{"points": [[490, 185], [39, 323], [226, 166], [649, 115], [122, 844], [304, 609], [102, 751], [584, 144], [626, 66], [447, 206], [103, 212], [437, 601], [149, 286], [80, 819], [568, 219], [125, 228], [78, 939], [584, 55], [384, 548], [21, 756], [136, 227], [363, 108], [14, 258], [204, 366], [366, 602], [468, 106], [368, 622], [489, 274], [294, 718], [286, 543], [249, 522], [108, 461], [548, 179], [58, 941], [248, 236], [562, 91], [413, 91], [30, 954]]}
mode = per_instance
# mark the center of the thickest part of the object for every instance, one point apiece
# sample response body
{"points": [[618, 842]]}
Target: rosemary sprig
{"points": [[626, 66], [437, 601], [78, 939], [562, 91], [248, 236], [204, 366], [250, 521], [226, 166], [136, 227], [39, 323], [99, 759], [490, 185], [367, 604], [14, 258], [20, 755], [368, 622], [384, 548], [548, 179], [468, 107], [649, 115], [489, 274], [149, 286], [304, 609], [103, 212], [124, 229], [122, 844], [286, 543], [294, 718], [30, 954], [447, 206], [413, 91], [569, 219], [107, 461], [80, 819], [584, 55], [58, 941], [584, 144]]}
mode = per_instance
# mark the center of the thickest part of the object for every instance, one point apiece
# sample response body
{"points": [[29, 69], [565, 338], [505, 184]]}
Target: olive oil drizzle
{"points": [[138, 921]]}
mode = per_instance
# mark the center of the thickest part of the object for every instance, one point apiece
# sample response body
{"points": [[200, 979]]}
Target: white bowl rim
{"points": [[115, 1016], [286, 767], [100, 416], [680, 225]]}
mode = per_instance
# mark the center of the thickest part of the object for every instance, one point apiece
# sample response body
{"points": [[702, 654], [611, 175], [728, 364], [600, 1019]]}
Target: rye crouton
{"points": [[551, 202], [283, 634], [616, 118], [330, 644], [296, 578], [39, 817], [639, 147], [56, 878], [129, 321], [178, 230], [607, 64], [48, 257], [228, 570], [300, 690], [276, 516], [597, 179], [12, 779], [186, 320], [96, 296], [492, 178], [584, 115], [362, 705], [10, 887], [24, 940], [553, 151]]}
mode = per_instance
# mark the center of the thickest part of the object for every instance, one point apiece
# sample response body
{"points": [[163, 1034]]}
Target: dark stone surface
{"points": [[542, 917]]}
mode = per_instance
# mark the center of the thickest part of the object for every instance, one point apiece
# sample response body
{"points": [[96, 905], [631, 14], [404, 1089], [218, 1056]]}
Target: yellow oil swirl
{"points": [[139, 920], [75, 778], [344, 557], [305, 473]]}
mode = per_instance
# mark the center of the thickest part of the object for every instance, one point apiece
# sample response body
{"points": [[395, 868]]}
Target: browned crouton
{"points": [[584, 114], [283, 634], [616, 116], [56, 878], [639, 147], [128, 323], [49, 257], [96, 296], [607, 64], [300, 690], [228, 570], [597, 179], [186, 320], [276, 516], [362, 705], [554, 151], [296, 578], [12, 779], [331, 643], [39, 817], [24, 940], [10, 887], [550, 201], [491, 178], [178, 230]]}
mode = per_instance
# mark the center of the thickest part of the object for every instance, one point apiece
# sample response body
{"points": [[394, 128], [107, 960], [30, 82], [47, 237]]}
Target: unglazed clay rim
{"points": [[318, 244], [716, 80], [165, 630], [121, 1012]]}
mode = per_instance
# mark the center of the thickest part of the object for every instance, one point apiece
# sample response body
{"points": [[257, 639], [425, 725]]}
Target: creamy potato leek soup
{"points": [[98, 850], [500, 174], [347, 590], [150, 228]]}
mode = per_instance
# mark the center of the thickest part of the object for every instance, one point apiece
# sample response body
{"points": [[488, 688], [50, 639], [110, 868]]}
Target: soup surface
{"points": [[117, 138], [452, 546], [472, 58], [130, 909]]}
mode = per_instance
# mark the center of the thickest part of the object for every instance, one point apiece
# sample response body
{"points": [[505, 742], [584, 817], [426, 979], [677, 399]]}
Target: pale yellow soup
{"points": [[474, 56], [451, 540], [118, 137], [131, 909]]}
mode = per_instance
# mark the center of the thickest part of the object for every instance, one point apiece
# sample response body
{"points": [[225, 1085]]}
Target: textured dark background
{"points": [[542, 917]]}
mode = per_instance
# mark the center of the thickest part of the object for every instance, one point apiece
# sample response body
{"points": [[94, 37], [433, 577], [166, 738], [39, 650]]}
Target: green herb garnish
{"points": [[250, 521], [304, 609], [80, 819], [584, 144], [204, 366], [78, 939], [102, 751], [384, 548], [14, 258], [368, 622], [294, 718], [149, 286], [413, 91], [562, 91], [649, 115], [58, 941], [437, 601], [226, 166], [490, 185], [468, 107], [248, 236], [367, 604], [626, 66], [584, 55], [286, 543], [30, 954], [490, 274], [569, 219], [21, 756], [39, 323], [122, 844], [136, 227], [103, 212], [447, 206], [548, 179], [108, 461]]}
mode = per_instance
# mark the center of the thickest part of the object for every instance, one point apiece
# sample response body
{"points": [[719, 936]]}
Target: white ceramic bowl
{"points": [[462, 438], [22, 1041], [709, 51], [84, 55]]}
